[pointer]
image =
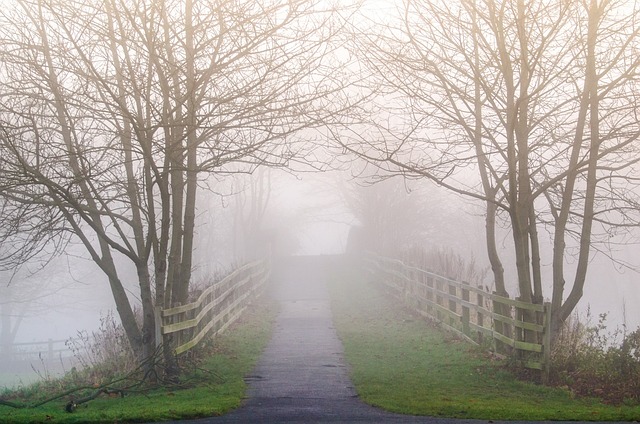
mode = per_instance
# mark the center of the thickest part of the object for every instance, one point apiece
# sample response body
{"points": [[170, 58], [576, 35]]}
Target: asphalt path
{"points": [[302, 376]]}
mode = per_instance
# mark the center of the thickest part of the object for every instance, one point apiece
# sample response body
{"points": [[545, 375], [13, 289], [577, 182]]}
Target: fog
{"points": [[306, 215], [310, 212], [373, 163]]}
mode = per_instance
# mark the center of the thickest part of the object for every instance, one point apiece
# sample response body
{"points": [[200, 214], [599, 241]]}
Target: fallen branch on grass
{"points": [[12, 404], [73, 404], [147, 367]]}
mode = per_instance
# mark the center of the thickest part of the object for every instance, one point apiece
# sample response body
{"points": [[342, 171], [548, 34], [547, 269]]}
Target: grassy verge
{"points": [[216, 388], [401, 363]]}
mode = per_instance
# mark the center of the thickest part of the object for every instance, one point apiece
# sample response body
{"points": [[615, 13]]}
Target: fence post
{"points": [[520, 317], [408, 284], [429, 290], [439, 299], [178, 335], [157, 311], [466, 316], [500, 327], [480, 316], [453, 305], [546, 343]]}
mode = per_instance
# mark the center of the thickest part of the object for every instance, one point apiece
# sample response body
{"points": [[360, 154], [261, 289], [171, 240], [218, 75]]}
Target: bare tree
{"points": [[390, 217], [529, 107], [116, 111], [250, 204]]}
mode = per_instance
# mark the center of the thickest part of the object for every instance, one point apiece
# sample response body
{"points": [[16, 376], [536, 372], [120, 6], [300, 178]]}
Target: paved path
{"points": [[302, 376]]}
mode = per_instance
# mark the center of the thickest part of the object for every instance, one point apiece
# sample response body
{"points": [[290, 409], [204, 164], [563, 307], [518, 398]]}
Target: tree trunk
{"points": [[192, 162], [589, 100], [93, 217], [127, 317], [595, 13], [148, 313]]}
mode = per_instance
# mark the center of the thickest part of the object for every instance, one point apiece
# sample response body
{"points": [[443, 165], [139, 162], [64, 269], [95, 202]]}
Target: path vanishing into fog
{"points": [[302, 376]]}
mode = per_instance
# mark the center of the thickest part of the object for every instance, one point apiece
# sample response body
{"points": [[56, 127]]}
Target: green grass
{"points": [[215, 391], [401, 363]]}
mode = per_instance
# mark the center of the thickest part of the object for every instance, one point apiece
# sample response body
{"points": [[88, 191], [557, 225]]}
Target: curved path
{"points": [[302, 377]]}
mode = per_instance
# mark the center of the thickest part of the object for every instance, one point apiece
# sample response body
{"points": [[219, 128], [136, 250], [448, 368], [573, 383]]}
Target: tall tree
{"points": [[114, 111], [525, 105], [250, 203]]}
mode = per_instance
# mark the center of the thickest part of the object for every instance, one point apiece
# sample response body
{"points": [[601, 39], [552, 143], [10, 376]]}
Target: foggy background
{"points": [[301, 213], [308, 215]]}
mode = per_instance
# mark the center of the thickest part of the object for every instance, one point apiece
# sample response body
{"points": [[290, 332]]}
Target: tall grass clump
{"points": [[103, 354], [100, 357], [592, 361]]}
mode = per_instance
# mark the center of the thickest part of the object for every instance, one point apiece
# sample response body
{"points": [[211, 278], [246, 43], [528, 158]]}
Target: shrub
{"points": [[103, 354], [100, 357], [592, 361]]}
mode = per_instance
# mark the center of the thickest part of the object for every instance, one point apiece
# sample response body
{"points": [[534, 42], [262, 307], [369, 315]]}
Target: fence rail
{"points": [[215, 309], [49, 349], [509, 326]]}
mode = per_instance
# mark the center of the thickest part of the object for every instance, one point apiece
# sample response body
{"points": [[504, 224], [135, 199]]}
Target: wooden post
{"points": [[520, 317], [500, 327], [423, 293], [439, 299], [409, 282], [157, 311], [211, 314], [178, 340], [480, 315], [453, 305], [466, 316], [429, 290], [546, 343]]}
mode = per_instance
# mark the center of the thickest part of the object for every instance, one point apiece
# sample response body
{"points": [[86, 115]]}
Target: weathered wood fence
{"points": [[215, 309], [508, 326], [48, 350]]}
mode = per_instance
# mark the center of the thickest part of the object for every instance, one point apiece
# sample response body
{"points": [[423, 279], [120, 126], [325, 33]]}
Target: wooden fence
{"points": [[48, 350], [216, 308], [508, 326]]}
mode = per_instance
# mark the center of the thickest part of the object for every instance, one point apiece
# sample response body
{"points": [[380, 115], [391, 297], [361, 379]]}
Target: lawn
{"points": [[402, 363], [398, 360], [216, 388]]}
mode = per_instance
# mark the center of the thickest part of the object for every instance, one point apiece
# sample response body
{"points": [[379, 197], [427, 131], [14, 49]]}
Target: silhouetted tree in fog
{"points": [[391, 217], [528, 106], [114, 112]]}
